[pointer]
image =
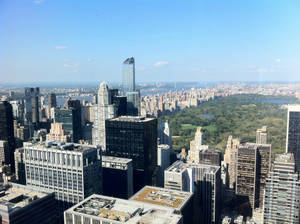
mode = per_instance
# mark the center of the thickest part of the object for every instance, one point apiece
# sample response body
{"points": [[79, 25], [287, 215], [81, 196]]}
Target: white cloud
{"points": [[38, 1], [161, 63], [90, 59], [278, 60], [72, 65], [60, 47]]}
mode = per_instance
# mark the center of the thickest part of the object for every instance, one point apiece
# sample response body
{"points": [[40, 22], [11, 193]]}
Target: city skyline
{"points": [[171, 41]]}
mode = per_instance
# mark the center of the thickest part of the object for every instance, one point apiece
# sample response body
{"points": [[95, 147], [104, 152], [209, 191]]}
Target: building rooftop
{"points": [[61, 146], [294, 107], [114, 159], [163, 197], [124, 211], [17, 196], [285, 158], [180, 166], [132, 119]]}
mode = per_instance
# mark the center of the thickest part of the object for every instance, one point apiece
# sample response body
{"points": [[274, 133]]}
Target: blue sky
{"points": [[87, 41]]}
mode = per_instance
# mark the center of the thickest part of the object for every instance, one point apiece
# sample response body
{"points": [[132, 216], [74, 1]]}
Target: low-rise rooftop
{"points": [[16, 196], [61, 146], [99, 207], [131, 119], [180, 166], [114, 159], [163, 197]]}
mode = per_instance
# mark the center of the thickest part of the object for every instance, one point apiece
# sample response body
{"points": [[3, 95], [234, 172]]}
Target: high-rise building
{"points": [[51, 102], [261, 135], [20, 166], [128, 88], [204, 181], [72, 171], [282, 194], [4, 153], [134, 138], [165, 134], [18, 110], [103, 110], [7, 130], [203, 154], [181, 201], [133, 103], [253, 166], [117, 177], [57, 133], [23, 204], [100, 209], [32, 105], [129, 75], [163, 162], [293, 133], [230, 158], [75, 106]]}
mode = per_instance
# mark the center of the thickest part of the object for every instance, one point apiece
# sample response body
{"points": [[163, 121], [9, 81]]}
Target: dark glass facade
{"points": [[7, 129], [134, 138]]}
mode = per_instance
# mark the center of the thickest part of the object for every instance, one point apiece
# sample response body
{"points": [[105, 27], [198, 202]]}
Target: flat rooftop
{"points": [[61, 146], [108, 209], [163, 197], [285, 158], [114, 159], [17, 196], [179, 167], [132, 119]]}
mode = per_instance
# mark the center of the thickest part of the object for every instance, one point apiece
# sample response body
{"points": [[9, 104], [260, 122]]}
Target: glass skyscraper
{"points": [[129, 75]]}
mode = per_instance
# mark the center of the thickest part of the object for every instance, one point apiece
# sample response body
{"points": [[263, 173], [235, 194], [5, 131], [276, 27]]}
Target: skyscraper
{"points": [[103, 110], [75, 106], [51, 102], [128, 88], [253, 166], [134, 138], [129, 75], [230, 158], [281, 203], [32, 105], [7, 130], [293, 133]]}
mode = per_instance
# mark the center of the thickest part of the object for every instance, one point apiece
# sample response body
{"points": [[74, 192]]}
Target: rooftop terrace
{"points": [[163, 197]]}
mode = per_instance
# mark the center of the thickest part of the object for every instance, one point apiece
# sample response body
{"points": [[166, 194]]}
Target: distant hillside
{"points": [[238, 115]]}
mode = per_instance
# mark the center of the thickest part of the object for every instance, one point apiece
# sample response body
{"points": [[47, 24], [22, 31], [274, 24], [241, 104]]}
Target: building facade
{"points": [[281, 203], [117, 177], [103, 110], [134, 138], [7, 131], [204, 181], [72, 171], [293, 133], [253, 166]]}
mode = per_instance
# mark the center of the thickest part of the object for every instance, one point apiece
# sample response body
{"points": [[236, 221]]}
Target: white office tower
{"points": [[204, 181], [103, 110], [72, 171], [282, 193], [163, 162], [165, 134]]}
